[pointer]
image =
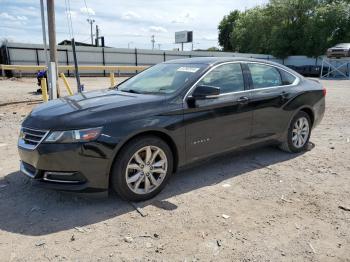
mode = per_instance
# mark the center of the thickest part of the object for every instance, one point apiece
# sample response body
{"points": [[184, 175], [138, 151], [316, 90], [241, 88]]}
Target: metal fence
{"points": [[33, 54]]}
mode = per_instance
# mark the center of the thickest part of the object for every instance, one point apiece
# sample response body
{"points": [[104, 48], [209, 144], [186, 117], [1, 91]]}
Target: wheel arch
{"points": [[305, 108], [310, 113], [158, 133]]}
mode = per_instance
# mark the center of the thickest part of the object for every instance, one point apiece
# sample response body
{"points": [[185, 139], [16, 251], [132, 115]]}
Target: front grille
{"points": [[31, 138], [338, 50]]}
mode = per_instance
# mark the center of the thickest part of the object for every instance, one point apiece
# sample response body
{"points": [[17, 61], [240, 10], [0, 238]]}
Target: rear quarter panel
{"points": [[309, 94]]}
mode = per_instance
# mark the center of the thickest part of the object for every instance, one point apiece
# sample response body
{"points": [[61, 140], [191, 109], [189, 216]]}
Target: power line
{"points": [[86, 40], [87, 10], [70, 18], [90, 21], [68, 23]]}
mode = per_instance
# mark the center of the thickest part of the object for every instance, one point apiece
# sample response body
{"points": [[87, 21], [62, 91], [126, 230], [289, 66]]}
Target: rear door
{"points": [[217, 124], [272, 88]]}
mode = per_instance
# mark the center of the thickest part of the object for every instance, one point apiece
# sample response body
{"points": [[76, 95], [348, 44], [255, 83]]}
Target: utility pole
{"points": [[91, 21], [43, 27], [97, 35], [77, 75], [53, 48], [153, 41]]}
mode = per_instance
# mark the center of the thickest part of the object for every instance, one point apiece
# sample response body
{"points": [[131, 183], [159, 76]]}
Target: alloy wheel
{"points": [[300, 132], [146, 170]]}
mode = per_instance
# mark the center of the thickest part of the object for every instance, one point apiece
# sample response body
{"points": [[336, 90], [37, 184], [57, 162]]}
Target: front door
{"points": [[221, 122]]}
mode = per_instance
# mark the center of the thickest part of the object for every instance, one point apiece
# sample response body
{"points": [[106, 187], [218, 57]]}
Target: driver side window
{"points": [[228, 77]]}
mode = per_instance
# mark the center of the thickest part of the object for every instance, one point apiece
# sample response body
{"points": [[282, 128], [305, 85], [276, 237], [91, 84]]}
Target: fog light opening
{"points": [[63, 177]]}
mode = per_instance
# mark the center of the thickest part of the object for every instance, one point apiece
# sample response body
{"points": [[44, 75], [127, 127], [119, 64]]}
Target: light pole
{"points": [[91, 21], [153, 41], [130, 44]]}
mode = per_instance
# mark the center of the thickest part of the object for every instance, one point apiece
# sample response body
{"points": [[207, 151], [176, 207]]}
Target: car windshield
{"points": [[162, 79], [343, 45]]}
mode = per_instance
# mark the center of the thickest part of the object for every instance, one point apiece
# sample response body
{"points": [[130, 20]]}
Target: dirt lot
{"points": [[276, 206]]}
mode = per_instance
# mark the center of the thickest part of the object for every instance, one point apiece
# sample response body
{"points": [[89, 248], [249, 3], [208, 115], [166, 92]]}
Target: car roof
{"points": [[212, 61], [216, 60]]}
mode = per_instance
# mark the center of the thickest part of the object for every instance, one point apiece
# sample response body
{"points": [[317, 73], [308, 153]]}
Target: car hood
{"points": [[89, 109], [340, 48]]}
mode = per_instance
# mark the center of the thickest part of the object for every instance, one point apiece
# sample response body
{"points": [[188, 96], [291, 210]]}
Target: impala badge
{"points": [[201, 141]]}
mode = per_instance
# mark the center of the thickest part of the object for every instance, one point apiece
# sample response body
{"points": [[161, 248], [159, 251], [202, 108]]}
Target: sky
{"points": [[123, 23]]}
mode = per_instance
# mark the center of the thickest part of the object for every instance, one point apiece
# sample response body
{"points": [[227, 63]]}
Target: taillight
{"points": [[324, 91]]}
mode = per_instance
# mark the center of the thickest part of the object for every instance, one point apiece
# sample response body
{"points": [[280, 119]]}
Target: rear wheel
{"points": [[298, 135], [142, 168]]}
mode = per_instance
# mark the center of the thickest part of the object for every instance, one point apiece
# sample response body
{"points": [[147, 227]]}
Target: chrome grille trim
{"points": [[30, 140], [48, 173], [31, 137], [33, 134]]}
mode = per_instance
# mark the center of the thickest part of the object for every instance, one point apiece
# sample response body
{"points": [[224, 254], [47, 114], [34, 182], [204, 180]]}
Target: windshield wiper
{"points": [[131, 91]]}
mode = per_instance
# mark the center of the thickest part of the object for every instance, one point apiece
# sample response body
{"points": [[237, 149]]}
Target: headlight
{"points": [[21, 134], [73, 136]]}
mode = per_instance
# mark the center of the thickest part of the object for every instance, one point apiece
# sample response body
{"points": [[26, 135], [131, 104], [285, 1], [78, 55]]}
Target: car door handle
{"points": [[243, 100]]}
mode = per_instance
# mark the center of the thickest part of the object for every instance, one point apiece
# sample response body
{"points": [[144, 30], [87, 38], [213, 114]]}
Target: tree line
{"points": [[287, 27]]}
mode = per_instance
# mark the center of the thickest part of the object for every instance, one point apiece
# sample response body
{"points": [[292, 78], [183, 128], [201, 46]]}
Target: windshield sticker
{"points": [[188, 69]]}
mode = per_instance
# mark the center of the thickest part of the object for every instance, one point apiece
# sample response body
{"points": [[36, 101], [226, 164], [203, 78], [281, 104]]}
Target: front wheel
{"points": [[298, 135], [142, 168]]}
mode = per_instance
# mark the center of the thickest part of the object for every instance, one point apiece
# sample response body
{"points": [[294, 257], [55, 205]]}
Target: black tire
{"points": [[288, 145], [118, 175]]}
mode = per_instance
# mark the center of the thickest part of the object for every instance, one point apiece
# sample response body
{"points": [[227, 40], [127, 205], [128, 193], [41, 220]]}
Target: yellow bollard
{"points": [[111, 76], [44, 89], [70, 92]]}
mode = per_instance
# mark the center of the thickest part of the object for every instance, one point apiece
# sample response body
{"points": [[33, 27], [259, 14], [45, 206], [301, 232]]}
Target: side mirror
{"points": [[203, 92]]}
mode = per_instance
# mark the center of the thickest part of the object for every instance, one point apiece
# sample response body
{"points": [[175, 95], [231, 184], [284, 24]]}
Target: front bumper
{"points": [[71, 167]]}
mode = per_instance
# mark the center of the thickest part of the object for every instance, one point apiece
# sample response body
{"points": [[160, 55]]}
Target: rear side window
{"points": [[264, 76], [287, 78], [228, 77]]}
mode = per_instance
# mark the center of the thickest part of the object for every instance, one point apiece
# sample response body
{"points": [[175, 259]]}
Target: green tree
{"points": [[288, 33], [287, 27], [214, 48], [252, 32], [225, 29], [329, 26]]}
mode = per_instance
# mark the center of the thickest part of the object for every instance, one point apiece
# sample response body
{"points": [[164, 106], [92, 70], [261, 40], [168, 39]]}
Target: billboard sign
{"points": [[183, 37]]}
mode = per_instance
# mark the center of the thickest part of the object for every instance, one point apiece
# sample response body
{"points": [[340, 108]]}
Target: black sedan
{"points": [[133, 137]]}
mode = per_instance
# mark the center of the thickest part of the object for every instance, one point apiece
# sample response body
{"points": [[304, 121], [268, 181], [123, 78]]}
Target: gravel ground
{"points": [[24, 89], [260, 205]]}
